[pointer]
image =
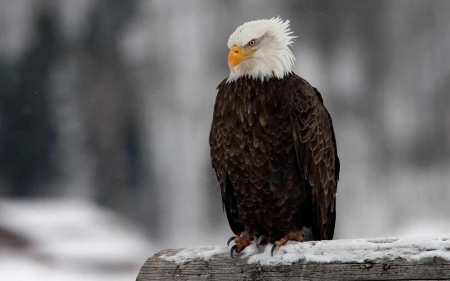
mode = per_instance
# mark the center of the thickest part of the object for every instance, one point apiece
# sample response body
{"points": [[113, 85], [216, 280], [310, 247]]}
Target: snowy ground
{"points": [[356, 250], [60, 239]]}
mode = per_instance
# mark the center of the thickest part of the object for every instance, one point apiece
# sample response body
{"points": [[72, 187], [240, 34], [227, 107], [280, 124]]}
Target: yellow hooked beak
{"points": [[236, 55]]}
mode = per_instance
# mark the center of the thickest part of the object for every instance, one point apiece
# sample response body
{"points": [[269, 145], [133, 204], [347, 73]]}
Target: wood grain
{"points": [[223, 267]]}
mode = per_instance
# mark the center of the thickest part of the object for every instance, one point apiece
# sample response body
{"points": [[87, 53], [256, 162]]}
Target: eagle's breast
{"points": [[252, 144]]}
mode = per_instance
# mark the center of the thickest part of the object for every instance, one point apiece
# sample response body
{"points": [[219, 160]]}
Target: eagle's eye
{"points": [[252, 42]]}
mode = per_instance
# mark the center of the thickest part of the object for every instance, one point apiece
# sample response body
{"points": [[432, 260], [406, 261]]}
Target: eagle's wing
{"points": [[216, 138], [315, 145]]}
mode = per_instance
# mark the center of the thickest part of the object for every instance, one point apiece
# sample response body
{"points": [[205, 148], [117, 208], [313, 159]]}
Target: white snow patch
{"points": [[202, 253], [248, 252], [357, 250], [69, 240]]}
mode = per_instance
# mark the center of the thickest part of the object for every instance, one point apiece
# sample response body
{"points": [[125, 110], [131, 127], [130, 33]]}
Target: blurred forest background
{"points": [[106, 107]]}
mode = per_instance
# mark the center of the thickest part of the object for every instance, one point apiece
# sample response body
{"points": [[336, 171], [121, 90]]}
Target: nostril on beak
{"points": [[236, 51]]}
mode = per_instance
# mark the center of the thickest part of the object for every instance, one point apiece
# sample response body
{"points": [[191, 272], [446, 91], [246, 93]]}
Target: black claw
{"points": [[273, 249], [229, 240], [232, 250]]}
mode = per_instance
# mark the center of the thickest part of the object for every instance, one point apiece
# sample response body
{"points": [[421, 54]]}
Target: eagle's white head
{"points": [[260, 49]]}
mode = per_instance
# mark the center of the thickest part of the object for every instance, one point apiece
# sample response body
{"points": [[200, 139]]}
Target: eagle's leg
{"points": [[241, 242], [291, 236]]}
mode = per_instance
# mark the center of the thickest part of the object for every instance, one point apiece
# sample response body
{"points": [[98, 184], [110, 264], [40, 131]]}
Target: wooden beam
{"points": [[223, 267]]}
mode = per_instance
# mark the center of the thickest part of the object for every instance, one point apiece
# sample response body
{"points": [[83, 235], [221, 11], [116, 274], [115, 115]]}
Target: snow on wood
{"points": [[405, 258]]}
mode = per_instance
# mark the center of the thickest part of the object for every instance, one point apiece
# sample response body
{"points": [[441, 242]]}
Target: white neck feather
{"points": [[273, 58]]}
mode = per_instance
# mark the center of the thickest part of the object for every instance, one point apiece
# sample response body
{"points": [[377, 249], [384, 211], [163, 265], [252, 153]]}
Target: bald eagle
{"points": [[272, 143]]}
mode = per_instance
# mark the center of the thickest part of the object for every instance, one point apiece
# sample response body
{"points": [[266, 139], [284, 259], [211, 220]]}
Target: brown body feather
{"points": [[274, 153]]}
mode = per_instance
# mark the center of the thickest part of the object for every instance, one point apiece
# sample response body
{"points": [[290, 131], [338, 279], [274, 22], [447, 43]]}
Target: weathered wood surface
{"points": [[223, 267]]}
